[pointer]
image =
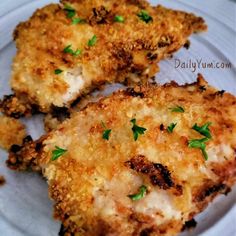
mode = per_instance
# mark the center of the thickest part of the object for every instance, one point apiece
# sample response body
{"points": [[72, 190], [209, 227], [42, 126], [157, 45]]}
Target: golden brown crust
{"points": [[124, 52], [91, 181], [12, 131]]}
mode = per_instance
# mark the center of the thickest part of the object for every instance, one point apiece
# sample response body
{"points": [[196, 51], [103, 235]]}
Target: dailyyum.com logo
{"points": [[193, 65]]}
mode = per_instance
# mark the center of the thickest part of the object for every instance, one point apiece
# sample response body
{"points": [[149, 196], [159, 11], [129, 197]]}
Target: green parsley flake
{"points": [[92, 41], [137, 130], [58, 71], [57, 153], [144, 16], [119, 19], [177, 109], [106, 133], [70, 11], [199, 143], [77, 20], [68, 50], [204, 130], [141, 193], [171, 127]]}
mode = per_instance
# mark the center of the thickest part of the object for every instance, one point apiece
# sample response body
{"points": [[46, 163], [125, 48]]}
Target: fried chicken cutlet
{"points": [[140, 162], [66, 50]]}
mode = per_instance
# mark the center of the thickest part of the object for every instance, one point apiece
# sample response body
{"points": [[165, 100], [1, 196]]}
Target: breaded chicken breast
{"points": [[66, 50], [140, 162]]}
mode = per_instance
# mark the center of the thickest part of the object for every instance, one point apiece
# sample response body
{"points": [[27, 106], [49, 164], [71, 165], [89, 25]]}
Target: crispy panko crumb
{"points": [[12, 131], [2, 180], [91, 178], [125, 52]]}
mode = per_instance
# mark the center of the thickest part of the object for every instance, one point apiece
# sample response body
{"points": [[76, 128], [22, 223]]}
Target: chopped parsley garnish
{"points": [[70, 11], [204, 130], [141, 193], [171, 127], [199, 143], [69, 50], [137, 130], [106, 133], [58, 71], [177, 109], [118, 18], [57, 153], [144, 16], [77, 20], [92, 41]]}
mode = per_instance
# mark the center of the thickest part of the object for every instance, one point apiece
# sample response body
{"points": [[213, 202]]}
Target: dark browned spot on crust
{"points": [[62, 230], [202, 88], [16, 33], [165, 174], [34, 109], [16, 115], [27, 139], [134, 92], [139, 3], [162, 127], [2, 180], [220, 93], [99, 16], [65, 231], [211, 191], [146, 232], [139, 218], [75, 102], [178, 190], [61, 113], [15, 148], [125, 58], [151, 56], [189, 224], [213, 96], [38, 146], [226, 171], [152, 81], [187, 44], [137, 69], [164, 41], [140, 44], [158, 174]]}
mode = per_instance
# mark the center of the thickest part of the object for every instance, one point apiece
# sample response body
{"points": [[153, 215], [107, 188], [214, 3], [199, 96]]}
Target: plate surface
{"points": [[25, 209]]}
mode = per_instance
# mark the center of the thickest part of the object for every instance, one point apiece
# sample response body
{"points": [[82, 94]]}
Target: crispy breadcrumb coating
{"points": [[58, 61], [92, 179], [12, 131]]}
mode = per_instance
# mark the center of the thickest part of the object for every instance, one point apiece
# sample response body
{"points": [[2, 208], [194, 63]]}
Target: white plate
{"points": [[25, 209]]}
